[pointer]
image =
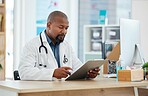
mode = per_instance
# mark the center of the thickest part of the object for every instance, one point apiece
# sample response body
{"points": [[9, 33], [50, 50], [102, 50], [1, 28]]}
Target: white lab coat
{"points": [[29, 68]]}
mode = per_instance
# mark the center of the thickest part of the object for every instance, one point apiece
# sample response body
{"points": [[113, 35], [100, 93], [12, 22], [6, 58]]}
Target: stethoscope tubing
{"points": [[42, 45]]}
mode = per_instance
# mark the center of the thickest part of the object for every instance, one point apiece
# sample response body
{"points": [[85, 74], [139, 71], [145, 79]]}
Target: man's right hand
{"points": [[61, 72]]}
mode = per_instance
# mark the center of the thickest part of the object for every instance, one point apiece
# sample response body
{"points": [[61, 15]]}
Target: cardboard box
{"points": [[130, 75]]}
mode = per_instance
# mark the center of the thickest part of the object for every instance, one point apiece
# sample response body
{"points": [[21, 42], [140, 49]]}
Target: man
{"points": [[49, 56]]}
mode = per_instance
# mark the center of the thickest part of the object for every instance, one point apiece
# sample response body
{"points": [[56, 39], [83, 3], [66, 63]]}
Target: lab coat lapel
{"points": [[62, 51], [50, 52]]}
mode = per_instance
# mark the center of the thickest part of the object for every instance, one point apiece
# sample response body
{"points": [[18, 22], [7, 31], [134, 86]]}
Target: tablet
{"points": [[81, 73]]}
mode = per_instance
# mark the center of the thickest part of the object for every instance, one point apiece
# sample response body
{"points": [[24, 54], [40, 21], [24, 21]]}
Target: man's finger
{"points": [[67, 68]]}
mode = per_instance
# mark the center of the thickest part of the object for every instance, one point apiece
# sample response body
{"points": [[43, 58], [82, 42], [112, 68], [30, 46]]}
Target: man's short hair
{"points": [[52, 15]]}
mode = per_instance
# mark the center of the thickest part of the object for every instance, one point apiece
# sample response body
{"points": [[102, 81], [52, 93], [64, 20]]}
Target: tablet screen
{"points": [[81, 73]]}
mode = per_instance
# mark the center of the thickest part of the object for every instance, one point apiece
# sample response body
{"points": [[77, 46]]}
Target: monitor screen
{"points": [[129, 37]]}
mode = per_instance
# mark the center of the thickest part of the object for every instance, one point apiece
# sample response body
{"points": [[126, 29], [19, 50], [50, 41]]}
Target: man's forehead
{"points": [[61, 20]]}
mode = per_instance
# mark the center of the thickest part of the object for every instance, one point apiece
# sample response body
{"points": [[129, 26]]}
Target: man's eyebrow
{"points": [[63, 26]]}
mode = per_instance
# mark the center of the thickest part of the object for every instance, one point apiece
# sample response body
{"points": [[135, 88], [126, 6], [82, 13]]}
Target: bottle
{"points": [[106, 21]]}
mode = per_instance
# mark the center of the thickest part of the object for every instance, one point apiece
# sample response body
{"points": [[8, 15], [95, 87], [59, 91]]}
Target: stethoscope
{"points": [[42, 45], [65, 60]]}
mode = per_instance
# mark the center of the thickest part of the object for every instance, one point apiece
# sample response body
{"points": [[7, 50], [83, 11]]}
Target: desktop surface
{"points": [[97, 87], [61, 85]]}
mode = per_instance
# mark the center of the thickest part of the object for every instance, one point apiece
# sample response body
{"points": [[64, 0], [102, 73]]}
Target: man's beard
{"points": [[60, 38]]}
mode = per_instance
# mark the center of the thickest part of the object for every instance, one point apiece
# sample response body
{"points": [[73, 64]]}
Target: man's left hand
{"points": [[93, 73]]}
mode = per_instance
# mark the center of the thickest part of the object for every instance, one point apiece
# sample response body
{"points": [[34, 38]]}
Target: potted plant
{"points": [[0, 60], [1, 67], [145, 68]]}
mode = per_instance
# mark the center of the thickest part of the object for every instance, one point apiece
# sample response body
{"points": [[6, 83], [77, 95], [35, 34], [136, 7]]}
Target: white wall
{"points": [[24, 26], [139, 12]]}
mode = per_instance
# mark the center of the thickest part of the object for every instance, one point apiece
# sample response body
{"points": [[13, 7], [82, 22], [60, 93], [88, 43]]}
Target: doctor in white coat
{"points": [[49, 56]]}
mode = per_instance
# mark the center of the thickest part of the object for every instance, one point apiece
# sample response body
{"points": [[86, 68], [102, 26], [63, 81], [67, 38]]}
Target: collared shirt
{"points": [[55, 49]]}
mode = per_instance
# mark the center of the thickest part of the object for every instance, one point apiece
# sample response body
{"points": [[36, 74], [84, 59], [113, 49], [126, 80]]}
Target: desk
{"points": [[96, 87], [143, 91]]}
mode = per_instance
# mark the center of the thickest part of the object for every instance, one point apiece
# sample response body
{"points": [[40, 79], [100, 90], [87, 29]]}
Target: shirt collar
{"points": [[48, 39]]}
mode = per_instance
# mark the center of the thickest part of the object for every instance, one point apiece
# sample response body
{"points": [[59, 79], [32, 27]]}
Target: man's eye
{"points": [[60, 27], [66, 28]]}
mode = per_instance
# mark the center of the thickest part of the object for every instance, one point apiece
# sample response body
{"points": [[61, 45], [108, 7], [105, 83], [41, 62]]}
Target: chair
{"points": [[16, 75]]}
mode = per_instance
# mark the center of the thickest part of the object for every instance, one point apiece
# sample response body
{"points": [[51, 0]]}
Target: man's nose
{"points": [[64, 31]]}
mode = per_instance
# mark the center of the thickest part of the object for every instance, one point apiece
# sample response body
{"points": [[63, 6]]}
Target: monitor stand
{"points": [[138, 58]]}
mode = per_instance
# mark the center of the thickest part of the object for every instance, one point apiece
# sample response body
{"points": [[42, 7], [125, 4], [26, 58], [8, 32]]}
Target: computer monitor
{"points": [[129, 41]]}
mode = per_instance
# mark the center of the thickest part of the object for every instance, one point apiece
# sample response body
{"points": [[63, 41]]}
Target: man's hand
{"points": [[61, 72], [93, 73]]}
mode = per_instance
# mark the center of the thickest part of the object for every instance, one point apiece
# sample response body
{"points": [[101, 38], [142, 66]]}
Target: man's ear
{"points": [[49, 24]]}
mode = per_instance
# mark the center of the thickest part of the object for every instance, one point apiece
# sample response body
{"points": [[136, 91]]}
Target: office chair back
{"points": [[16, 75]]}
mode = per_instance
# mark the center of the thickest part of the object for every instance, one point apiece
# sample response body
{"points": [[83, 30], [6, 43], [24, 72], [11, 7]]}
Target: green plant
{"points": [[145, 65], [145, 69], [1, 67]]}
